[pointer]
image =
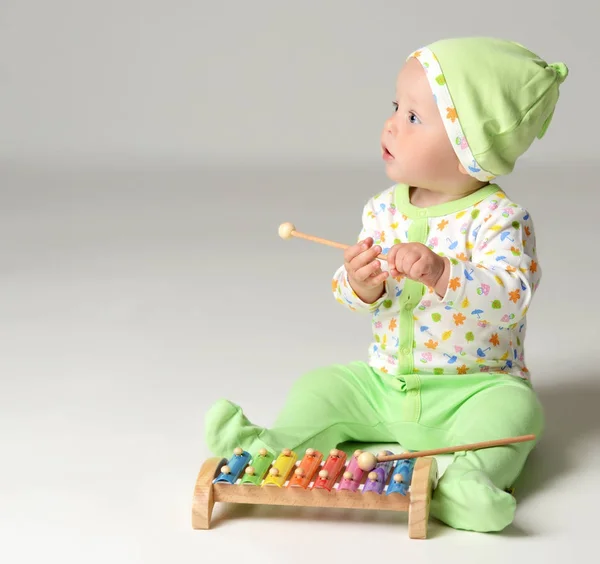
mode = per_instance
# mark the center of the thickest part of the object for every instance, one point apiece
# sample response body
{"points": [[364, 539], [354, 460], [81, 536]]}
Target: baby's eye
{"points": [[395, 104], [413, 118]]}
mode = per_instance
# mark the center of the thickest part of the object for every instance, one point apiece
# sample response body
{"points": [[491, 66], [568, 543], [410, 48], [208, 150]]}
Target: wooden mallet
{"points": [[367, 460], [288, 230]]}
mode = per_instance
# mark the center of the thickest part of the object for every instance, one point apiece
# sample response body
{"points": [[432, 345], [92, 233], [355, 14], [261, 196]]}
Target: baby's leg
{"points": [[325, 407], [471, 494]]}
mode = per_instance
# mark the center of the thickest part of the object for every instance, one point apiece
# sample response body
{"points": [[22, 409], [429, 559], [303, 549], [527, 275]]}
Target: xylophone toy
{"points": [[394, 482]]}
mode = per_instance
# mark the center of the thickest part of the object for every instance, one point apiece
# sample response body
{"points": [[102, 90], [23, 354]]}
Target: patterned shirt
{"points": [[479, 325]]}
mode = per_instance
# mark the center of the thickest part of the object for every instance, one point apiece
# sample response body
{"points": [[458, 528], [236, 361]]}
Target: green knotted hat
{"points": [[495, 97]]}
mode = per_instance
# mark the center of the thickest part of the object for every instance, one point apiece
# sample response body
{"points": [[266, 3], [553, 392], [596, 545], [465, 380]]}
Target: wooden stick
{"points": [[447, 450], [367, 460], [287, 230]]}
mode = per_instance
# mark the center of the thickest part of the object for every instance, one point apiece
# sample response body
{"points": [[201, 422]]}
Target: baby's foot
{"points": [[227, 428], [470, 501]]}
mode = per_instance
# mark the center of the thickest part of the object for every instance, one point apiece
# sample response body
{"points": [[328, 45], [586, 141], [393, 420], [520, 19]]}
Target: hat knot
{"points": [[561, 70]]}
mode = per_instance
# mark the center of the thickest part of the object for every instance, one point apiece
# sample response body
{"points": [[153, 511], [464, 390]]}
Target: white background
{"points": [[148, 153]]}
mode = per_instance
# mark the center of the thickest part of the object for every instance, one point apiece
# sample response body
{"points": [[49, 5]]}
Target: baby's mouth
{"points": [[387, 156]]}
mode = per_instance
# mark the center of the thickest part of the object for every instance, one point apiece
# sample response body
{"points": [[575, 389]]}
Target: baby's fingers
{"points": [[377, 278], [353, 251], [391, 259], [364, 258], [367, 273]]}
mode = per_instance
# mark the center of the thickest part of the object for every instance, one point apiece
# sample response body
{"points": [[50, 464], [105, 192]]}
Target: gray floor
{"points": [[132, 298]]}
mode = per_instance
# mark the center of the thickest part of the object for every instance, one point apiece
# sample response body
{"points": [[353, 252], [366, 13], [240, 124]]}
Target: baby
{"points": [[448, 307]]}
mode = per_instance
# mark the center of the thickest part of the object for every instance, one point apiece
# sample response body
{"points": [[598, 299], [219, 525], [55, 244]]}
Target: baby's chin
{"points": [[400, 177], [394, 172]]}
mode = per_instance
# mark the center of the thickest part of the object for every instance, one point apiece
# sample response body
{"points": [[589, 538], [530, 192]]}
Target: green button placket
{"points": [[418, 233], [409, 299]]}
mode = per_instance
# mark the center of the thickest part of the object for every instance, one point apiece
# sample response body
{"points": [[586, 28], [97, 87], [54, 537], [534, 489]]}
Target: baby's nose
{"points": [[389, 125]]}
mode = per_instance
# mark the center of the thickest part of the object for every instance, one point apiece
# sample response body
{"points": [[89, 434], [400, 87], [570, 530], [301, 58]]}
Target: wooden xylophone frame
{"points": [[416, 502]]}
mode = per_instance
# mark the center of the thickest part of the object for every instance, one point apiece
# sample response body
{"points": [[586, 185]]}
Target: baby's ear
{"points": [[461, 168]]}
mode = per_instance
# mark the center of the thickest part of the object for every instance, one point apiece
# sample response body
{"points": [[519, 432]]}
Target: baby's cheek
{"points": [[416, 157]]}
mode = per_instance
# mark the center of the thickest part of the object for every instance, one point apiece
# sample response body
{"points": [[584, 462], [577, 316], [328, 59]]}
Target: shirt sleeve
{"points": [[497, 284], [342, 290]]}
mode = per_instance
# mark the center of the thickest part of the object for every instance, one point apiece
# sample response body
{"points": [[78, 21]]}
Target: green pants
{"points": [[353, 402]]}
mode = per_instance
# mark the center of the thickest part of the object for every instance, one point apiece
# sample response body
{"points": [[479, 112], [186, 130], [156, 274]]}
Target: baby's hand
{"points": [[364, 270], [417, 262]]}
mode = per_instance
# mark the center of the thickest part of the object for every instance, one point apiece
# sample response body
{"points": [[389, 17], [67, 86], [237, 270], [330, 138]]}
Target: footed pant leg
{"points": [[324, 408], [471, 493]]}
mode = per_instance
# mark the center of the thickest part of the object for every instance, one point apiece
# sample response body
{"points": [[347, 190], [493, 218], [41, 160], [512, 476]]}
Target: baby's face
{"points": [[414, 143]]}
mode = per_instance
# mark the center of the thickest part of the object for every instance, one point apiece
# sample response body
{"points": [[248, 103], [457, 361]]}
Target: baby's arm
{"points": [[342, 290], [498, 283]]}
